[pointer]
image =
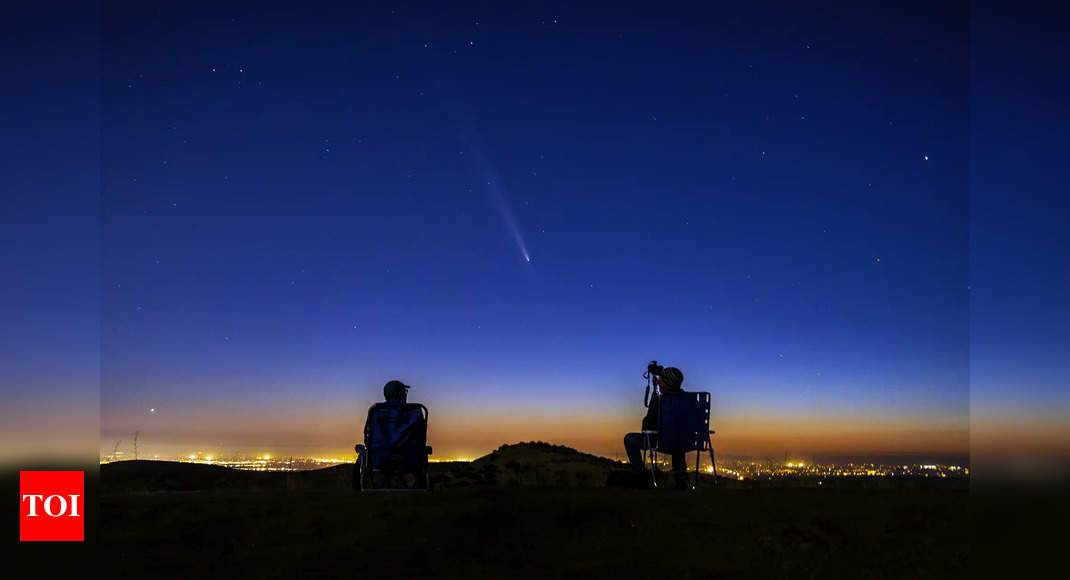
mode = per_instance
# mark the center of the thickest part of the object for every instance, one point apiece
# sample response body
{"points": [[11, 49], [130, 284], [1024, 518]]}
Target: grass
{"points": [[521, 532]]}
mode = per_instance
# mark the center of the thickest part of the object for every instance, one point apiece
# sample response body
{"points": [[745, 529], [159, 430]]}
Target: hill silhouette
{"points": [[533, 463]]}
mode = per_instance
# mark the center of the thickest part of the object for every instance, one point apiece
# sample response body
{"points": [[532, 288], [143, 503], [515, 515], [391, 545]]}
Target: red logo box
{"points": [[52, 506]]}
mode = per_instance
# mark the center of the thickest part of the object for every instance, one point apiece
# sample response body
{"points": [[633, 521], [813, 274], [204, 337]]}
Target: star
{"points": [[926, 157]]}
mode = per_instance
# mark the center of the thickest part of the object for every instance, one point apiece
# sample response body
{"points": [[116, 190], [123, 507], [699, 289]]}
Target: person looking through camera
{"points": [[667, 380]]}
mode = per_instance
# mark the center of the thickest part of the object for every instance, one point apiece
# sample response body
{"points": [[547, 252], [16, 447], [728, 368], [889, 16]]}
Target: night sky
{"points": [[514, 209]]}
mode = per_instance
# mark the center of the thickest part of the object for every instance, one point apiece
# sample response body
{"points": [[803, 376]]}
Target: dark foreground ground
{"points": [[322, 530]]}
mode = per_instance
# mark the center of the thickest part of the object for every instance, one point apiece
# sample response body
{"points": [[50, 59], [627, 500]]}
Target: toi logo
{"points": [[51, 506]]}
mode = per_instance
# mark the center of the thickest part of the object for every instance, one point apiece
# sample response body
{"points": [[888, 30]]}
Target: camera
{"points": [[652, 370]]}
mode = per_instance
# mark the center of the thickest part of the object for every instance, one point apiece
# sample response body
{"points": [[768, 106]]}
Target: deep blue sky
{"points": [[50, 230], [297, 205], [1021, 208]]}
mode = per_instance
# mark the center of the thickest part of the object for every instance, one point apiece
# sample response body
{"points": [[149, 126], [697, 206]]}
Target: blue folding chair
{"points": [[683, 425], [395, 444]]}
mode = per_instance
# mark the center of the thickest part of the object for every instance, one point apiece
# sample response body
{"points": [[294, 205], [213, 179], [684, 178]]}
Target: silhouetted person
{"points": [[393, 392], [669, 381]]}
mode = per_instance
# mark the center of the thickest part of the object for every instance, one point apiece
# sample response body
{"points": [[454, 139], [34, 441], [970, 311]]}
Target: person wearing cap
{"points": [[393, 392], [670, 380]]}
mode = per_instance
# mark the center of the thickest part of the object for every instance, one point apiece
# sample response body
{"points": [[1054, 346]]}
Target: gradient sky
{"points": [[1020, 323], [296, 206], [299, 206], [50, 230]]}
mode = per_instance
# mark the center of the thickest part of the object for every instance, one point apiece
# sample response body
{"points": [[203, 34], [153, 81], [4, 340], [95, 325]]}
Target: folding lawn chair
{"points": [[683, 425], [395, 444]]}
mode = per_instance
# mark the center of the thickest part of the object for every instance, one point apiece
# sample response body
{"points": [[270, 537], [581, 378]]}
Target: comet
{"points": [[501, 203], [498, 198], [469, 138]]}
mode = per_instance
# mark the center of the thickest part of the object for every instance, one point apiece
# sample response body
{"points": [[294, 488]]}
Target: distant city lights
{"points": [[738, 469]]}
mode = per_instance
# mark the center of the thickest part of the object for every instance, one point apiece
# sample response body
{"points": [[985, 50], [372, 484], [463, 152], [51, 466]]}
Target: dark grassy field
{"points": [[218, 523], [523, 532]]}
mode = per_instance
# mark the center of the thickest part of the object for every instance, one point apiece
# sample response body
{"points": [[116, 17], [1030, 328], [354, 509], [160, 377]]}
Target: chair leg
{"points": [[698, 465], [714, 464], [653, 468], [652, 456], [360, 467]]}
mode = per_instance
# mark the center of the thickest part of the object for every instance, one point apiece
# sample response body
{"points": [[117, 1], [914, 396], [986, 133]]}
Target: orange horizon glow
{"points": [[472, 436]]}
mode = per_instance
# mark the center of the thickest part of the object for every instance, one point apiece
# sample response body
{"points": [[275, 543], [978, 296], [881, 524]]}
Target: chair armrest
{"points": [[428, 449], [359, 448]]}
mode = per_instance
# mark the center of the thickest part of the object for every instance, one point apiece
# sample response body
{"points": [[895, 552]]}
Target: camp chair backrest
{"points": [[396, 435], [684, 423]]}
